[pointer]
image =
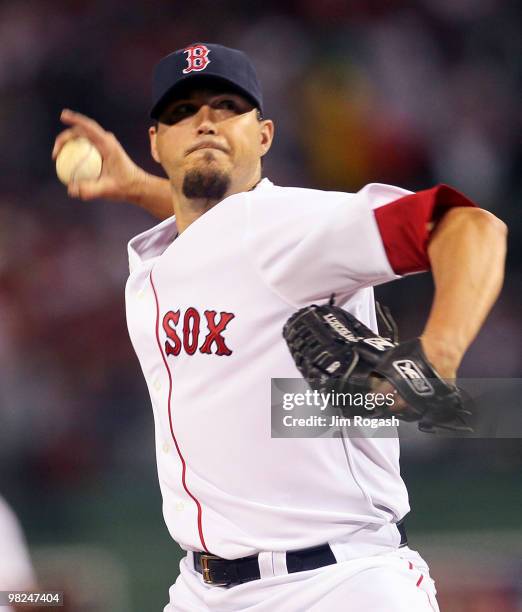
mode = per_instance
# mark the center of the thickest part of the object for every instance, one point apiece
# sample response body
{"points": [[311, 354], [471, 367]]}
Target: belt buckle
{"points": [[207, 576]]}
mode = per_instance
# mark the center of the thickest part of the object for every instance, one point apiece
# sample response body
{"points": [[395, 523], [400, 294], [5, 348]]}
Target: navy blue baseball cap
{"points": [[205, 62]]}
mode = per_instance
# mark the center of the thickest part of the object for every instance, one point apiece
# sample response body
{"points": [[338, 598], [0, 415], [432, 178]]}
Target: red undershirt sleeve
{"points": [[403, 225]]}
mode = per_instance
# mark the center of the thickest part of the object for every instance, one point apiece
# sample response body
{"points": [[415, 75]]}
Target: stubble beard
{"points": [[205, 183]]}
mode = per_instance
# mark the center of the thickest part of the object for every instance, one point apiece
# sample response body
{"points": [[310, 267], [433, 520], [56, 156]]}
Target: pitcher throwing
{"points": [[274, 524]]}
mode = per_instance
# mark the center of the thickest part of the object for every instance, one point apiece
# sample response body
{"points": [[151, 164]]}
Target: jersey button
{"points": [[180, 506], [157, 384], [165, 447]]}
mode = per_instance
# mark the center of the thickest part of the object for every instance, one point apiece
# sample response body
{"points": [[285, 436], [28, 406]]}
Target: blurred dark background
{"points": [[407, 93]]}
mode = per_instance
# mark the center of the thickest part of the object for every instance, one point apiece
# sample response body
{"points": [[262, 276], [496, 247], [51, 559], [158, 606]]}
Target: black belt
{"points": [[226, 572]]}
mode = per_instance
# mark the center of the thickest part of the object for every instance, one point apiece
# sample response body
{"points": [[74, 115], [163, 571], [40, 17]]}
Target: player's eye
{"points": [[177, 113], [227, 104]]}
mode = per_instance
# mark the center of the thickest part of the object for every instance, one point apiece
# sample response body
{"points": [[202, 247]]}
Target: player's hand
{"points": [[443, 359], [120, 176]]}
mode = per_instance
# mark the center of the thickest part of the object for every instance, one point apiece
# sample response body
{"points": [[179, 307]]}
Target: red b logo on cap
{"points": [[197, 58]]}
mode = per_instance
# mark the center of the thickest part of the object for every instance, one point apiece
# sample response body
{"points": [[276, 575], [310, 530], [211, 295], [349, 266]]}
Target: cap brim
{"points": [[191, 81]]}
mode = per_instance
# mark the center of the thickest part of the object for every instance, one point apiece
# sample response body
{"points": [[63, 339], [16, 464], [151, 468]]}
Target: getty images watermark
{"points": [[301, 412], [297, 411], [323, 401]]}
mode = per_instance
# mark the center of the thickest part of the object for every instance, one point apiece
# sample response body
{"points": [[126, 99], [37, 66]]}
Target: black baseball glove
{"points": [[334, 351]]}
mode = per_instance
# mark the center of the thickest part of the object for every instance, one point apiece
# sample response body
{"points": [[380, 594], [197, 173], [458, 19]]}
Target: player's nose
{"points": [[204, 123]]}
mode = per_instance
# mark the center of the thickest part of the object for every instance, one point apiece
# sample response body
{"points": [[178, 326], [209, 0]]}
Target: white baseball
{"points": [[78, 160]]}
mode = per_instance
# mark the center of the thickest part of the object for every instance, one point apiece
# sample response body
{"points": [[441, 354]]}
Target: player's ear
{"points": [[267, 135], [153, 131]]}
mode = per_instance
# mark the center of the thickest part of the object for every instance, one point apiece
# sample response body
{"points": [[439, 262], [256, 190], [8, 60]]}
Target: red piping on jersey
{"points": [[183, 464], [403, 225], [410, 566]]}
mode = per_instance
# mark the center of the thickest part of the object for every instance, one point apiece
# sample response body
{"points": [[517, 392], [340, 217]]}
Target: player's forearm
{"points": [[153, 194], [467, 252]]}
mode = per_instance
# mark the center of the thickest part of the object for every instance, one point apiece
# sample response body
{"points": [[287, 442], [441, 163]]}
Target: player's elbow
{"points": [[486, 221], [478, 223], [488, 229]]}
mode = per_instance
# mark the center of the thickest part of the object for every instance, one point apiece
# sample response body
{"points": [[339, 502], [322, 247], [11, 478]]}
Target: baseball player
{"points": [[16, 570], [274, 524]]}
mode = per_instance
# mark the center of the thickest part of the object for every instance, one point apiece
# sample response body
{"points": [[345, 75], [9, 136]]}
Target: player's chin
{"points": [[209, 168], [206, 181], [210, 160]]}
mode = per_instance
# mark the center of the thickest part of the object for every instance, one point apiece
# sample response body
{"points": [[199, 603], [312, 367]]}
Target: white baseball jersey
{"points": [[16, 570], [205, 313]]}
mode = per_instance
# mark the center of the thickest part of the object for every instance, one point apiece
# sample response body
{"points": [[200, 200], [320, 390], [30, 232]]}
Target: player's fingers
{"points": [[86, 190], [89, 128], [380, 385], [64, 137], [70, 117], [73, 189], [78, 189]]}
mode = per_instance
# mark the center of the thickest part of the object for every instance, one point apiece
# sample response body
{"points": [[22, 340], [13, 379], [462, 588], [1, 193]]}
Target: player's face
{"points": [[213, 136]]}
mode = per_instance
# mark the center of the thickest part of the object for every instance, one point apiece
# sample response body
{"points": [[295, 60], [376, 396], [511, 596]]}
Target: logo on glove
{"points": [[413, 376]]}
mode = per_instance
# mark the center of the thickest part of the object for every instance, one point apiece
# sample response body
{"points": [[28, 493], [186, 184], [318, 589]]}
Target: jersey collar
{"points": [[153, 242]]}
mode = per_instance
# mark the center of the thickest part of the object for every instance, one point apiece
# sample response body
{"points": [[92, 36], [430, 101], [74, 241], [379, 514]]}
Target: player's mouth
{"points": [[206, 144]]}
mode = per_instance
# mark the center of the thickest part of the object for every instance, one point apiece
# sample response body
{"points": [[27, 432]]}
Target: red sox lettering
{"points": [[213, 342]]}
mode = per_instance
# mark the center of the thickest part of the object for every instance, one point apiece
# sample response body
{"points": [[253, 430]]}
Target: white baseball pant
{"points": [[396, 581]]}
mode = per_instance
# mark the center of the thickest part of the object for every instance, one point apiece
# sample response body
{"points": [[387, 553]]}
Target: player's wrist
{"points": [[137, 186], [444, 357]]}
